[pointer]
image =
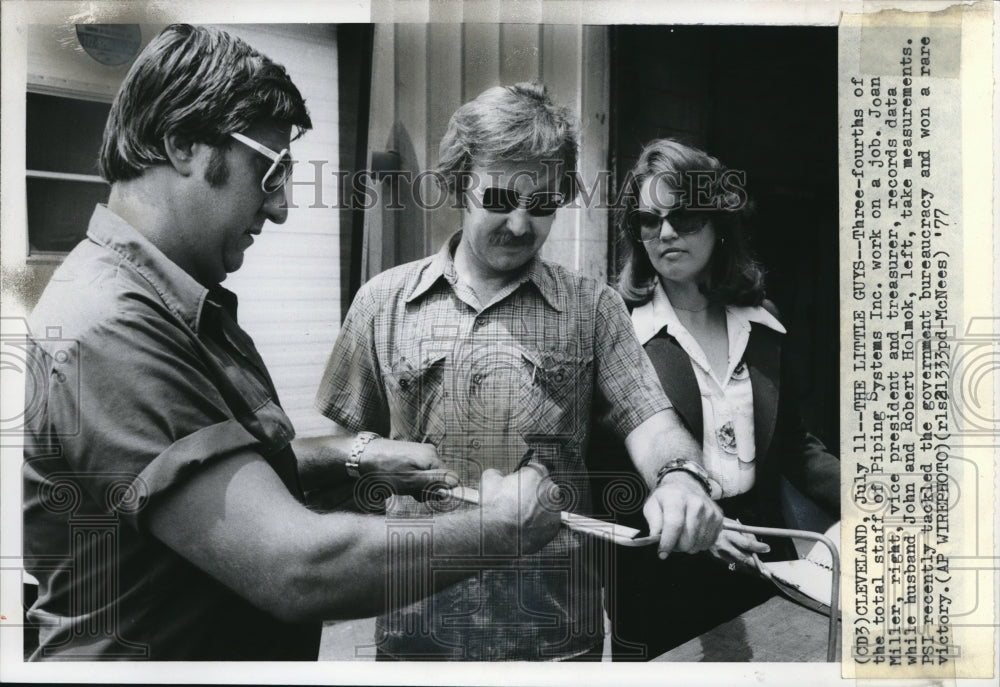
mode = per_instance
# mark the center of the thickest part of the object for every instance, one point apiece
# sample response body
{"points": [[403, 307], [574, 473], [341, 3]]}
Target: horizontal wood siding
{"points": [[290, 283]]}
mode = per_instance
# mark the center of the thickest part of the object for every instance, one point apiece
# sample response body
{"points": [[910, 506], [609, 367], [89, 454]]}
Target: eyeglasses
{"points": [[281, 167], [644, 225], [538, 204]]}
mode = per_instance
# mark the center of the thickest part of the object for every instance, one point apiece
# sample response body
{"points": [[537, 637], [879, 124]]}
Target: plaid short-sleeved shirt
{"points": [[419, 358]]}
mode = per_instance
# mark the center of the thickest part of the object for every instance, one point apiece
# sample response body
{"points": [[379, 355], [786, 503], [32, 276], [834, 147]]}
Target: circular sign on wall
{"points": [[110, 44]]}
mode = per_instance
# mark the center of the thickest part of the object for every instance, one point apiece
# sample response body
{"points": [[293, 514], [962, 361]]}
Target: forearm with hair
{"points": [[659, 440], [348, 575], [321, 460]]}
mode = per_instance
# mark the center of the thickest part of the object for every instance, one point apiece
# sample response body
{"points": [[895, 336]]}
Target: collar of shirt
{"points": [[442, 266], [658, 314], [178, 290]]}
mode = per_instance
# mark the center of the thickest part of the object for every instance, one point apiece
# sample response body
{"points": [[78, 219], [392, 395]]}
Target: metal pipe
{"points": [[831, 643]]}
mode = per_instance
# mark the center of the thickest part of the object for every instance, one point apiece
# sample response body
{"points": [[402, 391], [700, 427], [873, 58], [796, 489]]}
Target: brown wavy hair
{"points": [[510, 123], [734, 276], [197, 81]]}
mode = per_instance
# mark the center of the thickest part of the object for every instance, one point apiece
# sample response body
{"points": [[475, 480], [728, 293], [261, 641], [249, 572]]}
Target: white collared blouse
{"points": [[726, 403]]}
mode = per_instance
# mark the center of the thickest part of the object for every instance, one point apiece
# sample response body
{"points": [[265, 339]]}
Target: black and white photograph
{"points": [[452, 334]]}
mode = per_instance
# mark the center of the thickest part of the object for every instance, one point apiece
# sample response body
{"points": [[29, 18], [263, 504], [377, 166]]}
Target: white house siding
{"points": [[289, 286]]}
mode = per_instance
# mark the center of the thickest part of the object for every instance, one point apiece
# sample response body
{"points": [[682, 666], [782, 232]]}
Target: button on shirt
{"points": [[420, 358], [143, 378], [727, 402]]}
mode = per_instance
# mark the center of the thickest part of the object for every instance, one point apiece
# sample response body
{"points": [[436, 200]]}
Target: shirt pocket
{"points": [[415, 394], [556, 396]]}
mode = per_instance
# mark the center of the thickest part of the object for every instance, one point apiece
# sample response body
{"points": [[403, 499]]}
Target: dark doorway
{"points": [[354, 74], [763, 100]]}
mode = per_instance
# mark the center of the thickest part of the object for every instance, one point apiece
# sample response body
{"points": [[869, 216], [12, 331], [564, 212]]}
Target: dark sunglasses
{"points": [[538, 204], [644, 225]]}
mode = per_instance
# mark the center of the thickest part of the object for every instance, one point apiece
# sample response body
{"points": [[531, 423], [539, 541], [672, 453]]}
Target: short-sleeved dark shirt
{"points": [[140, 377], [419, 358]]}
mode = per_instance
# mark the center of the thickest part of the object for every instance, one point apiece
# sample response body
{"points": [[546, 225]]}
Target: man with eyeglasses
{"points": [[498, 359], [163, 500]]}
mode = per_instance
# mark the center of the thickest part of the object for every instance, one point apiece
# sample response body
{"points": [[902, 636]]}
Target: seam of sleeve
{"points": [[627, 421], [181, 461]]}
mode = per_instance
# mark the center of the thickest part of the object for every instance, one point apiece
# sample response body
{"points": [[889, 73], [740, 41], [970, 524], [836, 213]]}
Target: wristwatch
{"points": [[353, 461], [711, 487]]}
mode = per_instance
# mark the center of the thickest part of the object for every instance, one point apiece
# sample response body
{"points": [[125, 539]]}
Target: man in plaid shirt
{"points": [[497, 357]]}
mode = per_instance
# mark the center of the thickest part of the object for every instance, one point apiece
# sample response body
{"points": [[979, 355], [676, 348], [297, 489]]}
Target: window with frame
{"points": [[63, 181]]}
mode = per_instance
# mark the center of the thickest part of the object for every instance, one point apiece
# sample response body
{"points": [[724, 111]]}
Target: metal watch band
{"points": [[710, 486], [357, 448]]}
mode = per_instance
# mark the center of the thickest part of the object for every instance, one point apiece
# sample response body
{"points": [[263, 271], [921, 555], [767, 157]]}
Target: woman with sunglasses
{"points": [[696, 297]]}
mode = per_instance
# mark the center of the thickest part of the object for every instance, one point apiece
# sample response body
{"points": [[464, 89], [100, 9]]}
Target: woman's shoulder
{"points": [[769, 306], [766, 314]]}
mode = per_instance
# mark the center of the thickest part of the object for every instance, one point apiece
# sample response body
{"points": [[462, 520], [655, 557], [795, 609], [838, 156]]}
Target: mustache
{"points": [[505, 237]]}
